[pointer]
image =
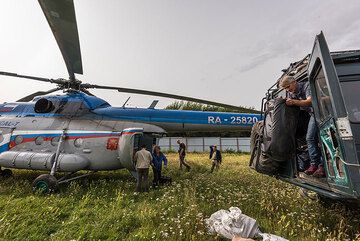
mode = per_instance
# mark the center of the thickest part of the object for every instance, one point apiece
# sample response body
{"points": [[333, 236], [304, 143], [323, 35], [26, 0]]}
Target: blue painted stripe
{"points": [[4, 147], [178, 116]]}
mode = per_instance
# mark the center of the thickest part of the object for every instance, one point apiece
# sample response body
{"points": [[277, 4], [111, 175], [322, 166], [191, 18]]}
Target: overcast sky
{"points": [[227, 51]]}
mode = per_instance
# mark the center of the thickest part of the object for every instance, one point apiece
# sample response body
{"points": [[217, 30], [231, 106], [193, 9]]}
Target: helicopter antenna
{"points": [[123, 106], [153, 104]]}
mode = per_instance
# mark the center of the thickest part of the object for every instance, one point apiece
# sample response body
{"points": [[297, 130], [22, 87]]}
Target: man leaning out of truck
{"points": [[298, 94]]}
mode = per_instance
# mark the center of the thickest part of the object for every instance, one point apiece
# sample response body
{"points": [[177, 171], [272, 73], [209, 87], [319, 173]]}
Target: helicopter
{"points": [[78, 131], [334, 80]]}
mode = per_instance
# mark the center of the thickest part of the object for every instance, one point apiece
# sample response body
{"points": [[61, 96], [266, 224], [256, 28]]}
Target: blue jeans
{"points": [[312, 139], [157, 175]]}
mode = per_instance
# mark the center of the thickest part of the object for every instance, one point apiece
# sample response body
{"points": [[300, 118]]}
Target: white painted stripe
{"points": [[34, 132], [10, 106], [6, 139]]}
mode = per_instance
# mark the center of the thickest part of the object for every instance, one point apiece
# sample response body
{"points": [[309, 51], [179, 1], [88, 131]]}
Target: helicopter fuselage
{"points": [[95, 136]]}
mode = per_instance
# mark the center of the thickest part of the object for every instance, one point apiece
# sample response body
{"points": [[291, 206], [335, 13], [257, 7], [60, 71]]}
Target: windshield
{"points": [[350, 91]]}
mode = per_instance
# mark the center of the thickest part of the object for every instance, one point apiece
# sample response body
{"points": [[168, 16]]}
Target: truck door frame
{"points": [[330, 136]]}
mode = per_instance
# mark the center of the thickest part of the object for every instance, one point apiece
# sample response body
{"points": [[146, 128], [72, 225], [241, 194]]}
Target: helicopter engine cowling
{"points": [[42, 161], [44, 106]]}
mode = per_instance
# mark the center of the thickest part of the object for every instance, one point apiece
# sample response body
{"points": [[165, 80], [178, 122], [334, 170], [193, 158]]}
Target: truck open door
{"points": [[336, 138]]}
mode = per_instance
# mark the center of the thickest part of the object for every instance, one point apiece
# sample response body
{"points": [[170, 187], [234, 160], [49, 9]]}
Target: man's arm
{"points": [[152, 162], [165, 160], [182, 149], [300, 103]]}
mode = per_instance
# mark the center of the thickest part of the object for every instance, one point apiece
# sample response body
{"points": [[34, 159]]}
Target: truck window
{"points": [[352, 99], [323, 97]]}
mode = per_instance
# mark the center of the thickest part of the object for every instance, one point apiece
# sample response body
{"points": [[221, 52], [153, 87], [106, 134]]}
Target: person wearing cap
{"points": [[299, 95], [215, 157], [182, 154]]}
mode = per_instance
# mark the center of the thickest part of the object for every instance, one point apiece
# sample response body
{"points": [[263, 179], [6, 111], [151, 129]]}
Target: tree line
{"points": [[186, 105]]}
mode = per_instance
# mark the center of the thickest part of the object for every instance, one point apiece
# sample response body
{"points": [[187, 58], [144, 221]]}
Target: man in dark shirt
{"points": [[182, 154], [300, 95], [215, 157]]}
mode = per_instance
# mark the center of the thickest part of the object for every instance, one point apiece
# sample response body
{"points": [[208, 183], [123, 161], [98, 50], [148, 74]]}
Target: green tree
{"points": [[186, 105]]}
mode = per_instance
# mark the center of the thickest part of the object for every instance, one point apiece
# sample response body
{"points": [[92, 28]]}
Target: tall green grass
{"points": [[105, 207]]}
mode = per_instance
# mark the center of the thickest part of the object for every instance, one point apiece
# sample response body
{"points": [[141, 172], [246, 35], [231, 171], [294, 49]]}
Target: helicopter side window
{"points": [[323, 97]]}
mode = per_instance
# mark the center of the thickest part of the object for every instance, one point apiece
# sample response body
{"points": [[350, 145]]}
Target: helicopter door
{"points": [[129, 143], [5, 135], [140, 139], [137, 142], [330, 115]]}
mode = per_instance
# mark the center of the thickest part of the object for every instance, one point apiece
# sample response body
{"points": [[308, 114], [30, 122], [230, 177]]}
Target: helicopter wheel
{"points": [[45, 184], [6, 173]]}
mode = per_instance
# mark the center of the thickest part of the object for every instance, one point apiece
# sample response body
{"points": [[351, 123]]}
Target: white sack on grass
{"points": [[233, 223]]}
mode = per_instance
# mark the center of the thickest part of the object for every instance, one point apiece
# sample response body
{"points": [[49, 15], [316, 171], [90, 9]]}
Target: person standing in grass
{"points": [[143, 160], [182, 154], [157, 161], [215, 157]]}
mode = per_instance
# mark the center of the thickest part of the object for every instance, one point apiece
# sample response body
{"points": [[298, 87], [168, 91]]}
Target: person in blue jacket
{"points": [[158, 159]]}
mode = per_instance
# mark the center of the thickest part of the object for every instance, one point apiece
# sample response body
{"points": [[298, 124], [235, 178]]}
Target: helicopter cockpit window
{"points": [[323, 97], [352, 98]]}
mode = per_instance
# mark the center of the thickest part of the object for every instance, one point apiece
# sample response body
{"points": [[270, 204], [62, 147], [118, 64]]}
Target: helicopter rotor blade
{"points": [[30, 97], [61, 18], [55, 81], [86, 91], [161, 94]]}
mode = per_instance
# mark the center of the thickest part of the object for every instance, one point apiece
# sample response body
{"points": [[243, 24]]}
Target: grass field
{"points": [[104, 206]]}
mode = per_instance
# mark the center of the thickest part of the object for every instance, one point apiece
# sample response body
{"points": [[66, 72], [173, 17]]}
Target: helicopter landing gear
{"points": [[6, 173], [45, 184], [68, 177]]}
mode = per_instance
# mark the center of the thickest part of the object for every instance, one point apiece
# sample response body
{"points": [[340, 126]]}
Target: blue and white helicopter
{"points": [[78, 131]]}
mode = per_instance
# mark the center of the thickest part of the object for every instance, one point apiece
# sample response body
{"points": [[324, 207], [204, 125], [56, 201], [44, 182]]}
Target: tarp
{"points": [[234, 223]]}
